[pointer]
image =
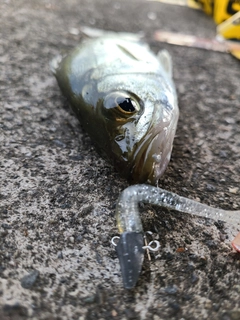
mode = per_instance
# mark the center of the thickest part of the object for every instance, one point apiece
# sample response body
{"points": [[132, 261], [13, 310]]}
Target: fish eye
{"points": [[124, 104]]}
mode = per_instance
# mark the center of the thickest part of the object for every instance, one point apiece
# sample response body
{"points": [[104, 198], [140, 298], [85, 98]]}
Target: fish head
{"points": [[140, 125], [130, 111]]}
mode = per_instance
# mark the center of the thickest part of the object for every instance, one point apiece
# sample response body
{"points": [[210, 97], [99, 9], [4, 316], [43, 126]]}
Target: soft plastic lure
{"points": [[130, 245]]}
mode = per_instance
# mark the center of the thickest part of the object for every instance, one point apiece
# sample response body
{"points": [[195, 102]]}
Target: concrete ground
{"points": [[57, 195]]}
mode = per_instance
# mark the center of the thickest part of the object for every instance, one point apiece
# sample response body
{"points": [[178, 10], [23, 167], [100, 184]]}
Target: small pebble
{"points": [[71, 239], [194, 278], [233, 190], [222, 154], [210, 187], [171, 290], [114, 313], [60, 255], [79, 238], [28, 281]]}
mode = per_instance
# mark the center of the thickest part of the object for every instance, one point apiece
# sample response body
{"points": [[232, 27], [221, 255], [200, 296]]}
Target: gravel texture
{"points": [[57, 195]]}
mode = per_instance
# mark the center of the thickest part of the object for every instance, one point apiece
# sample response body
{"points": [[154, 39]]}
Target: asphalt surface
{"points": [[57, 195]]}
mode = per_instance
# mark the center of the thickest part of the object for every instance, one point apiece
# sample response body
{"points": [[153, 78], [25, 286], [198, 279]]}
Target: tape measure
{"points": [[226, 13]]}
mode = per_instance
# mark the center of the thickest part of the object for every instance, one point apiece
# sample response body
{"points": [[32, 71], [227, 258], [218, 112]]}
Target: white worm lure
{"points": [[130, 246]]}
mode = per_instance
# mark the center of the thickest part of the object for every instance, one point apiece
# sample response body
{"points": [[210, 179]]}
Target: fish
{"points": [[125, 98]]}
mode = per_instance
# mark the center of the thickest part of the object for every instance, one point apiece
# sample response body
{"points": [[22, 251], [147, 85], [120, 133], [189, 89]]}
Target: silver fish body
{"points": [[125, 98]]}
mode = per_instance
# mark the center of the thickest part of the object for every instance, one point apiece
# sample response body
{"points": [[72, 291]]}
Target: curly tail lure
{"points": [[130, 247]]}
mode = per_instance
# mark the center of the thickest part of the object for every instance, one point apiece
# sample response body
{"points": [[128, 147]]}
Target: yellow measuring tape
{"points": [[226, 14], [221, 10]]}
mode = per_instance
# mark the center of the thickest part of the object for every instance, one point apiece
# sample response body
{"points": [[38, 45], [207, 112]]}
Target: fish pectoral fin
{"points": [[166, 61], [130, 254]]}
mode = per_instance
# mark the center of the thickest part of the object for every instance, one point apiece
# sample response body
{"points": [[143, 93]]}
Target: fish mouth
{"points": [[152, 156]]}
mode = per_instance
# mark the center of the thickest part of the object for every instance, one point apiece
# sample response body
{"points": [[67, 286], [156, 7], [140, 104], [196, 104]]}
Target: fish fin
{"points": [[54, 64], [166, 61], [96, 33]]}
